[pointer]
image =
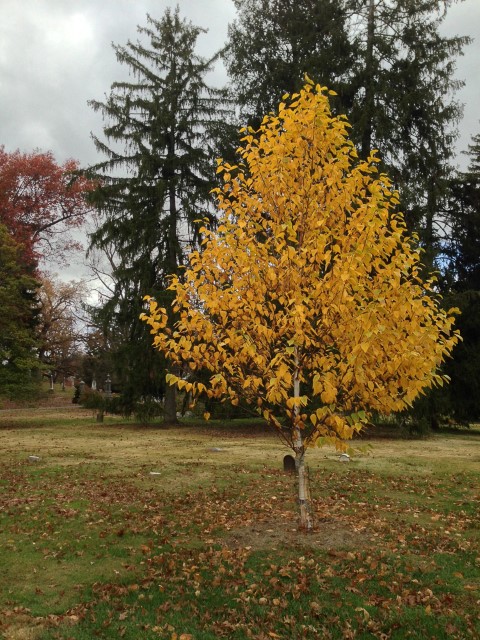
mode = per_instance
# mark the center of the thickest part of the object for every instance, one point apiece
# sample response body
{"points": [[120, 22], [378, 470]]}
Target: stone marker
{"points": [[34, 458], [155, 473], [344, 457], [216, 449], [289, 464]]}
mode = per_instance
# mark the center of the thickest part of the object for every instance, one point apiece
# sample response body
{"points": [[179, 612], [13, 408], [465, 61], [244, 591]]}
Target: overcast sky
{"points": [[55, 55]]}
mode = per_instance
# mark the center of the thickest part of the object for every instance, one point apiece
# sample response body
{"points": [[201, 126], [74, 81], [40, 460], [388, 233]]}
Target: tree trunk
{"points": [[170, 403], [369, 101], [306, 522]]}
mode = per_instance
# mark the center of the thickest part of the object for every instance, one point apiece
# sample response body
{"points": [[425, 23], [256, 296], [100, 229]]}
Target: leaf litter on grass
{"points": [[197, 567], [225, 559]]}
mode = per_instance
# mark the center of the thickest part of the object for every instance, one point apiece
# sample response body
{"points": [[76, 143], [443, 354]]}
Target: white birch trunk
{"points": [[299, 448], [303, 494]]}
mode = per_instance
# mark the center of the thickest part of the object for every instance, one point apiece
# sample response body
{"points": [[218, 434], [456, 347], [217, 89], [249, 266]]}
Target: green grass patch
{"points": [[127, 532]]}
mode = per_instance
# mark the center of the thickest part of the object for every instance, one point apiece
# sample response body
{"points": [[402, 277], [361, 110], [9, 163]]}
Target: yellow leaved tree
{"points": [[307, 299]]}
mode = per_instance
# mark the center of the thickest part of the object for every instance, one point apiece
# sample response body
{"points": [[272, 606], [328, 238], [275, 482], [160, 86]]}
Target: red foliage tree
{"points": [[41, 202]]}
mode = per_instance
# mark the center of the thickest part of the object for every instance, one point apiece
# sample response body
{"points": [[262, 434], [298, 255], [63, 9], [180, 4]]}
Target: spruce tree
{"points": [[18, 320], [461, 285], [391, 67], [474, 153], [154, 183], [273, 43], [459, 282], [461, 246], [404, 104]]}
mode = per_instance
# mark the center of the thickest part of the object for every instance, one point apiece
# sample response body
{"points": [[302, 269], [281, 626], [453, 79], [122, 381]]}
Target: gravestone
{"points": [[289, 464]]}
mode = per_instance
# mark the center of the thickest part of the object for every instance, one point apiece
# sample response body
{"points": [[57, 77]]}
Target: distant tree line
{"points": [[393, 73], [42, 203]]}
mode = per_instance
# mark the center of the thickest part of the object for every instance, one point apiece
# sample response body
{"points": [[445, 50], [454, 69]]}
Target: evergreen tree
{"points": [[154, 183], [462, 286], [463, 393], [393, 72], [273, 43], [403, 85], [474, 153], [18, 311], [461, 246]]}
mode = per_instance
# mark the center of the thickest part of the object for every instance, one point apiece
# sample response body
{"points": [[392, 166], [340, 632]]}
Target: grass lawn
{"points": [[121, 531]]}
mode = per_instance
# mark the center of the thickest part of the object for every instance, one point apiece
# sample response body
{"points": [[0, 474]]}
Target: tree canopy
{"points": [[461, 283], [156, 178], [273, 43], [41, 202], [60, 324], [18, 312], [307, 300]]}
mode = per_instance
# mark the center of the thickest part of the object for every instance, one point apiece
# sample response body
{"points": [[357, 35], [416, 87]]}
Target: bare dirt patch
{"points": [[328, 534]]}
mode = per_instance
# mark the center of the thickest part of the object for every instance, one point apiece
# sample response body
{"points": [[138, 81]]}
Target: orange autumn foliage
{"points": [[41, 201]]}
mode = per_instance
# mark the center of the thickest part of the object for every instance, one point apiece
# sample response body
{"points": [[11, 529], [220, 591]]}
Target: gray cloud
{"points": [[55, 55], [463, 19]]}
